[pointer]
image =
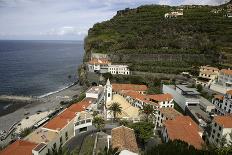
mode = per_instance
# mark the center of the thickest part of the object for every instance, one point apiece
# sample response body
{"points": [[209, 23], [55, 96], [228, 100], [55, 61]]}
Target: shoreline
{"points": [[45, 103]]}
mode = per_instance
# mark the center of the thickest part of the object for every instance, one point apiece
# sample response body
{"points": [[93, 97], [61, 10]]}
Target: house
{"points": [[174, 14], [97, 93], [223, 103], [224, 82], [221, 127], [98, 65], [124, 139], [166, 114], [183, 95], [19, 147], [207, 75], [163, 100], [183, 128], [119, 69]]}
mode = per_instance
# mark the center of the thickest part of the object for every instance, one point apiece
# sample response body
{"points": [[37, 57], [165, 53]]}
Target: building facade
{"points": [[223, 103], [221, 128], [183, 95], [207, 75], [119, 69]]}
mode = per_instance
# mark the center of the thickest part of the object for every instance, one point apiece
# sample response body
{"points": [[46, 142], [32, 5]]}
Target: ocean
{"points": [[37, 68]]}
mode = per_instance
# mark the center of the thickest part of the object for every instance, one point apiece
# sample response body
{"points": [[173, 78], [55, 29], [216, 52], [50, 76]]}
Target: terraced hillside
{"points": [[146, 41]]}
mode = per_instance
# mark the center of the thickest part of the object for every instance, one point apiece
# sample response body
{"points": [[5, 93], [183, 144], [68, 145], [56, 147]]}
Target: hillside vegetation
{"points": [[146, 41]]}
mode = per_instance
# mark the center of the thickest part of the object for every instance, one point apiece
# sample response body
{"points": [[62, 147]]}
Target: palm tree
{"points": [[148, 111], [116, 109], [109, 151], [99, 122]]}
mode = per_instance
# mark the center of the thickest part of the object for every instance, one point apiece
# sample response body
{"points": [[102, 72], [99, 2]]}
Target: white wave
{"points": [[54, 92]]}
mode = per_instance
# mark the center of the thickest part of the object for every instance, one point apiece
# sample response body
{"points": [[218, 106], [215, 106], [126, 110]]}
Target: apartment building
{"points": [[221, 127], [207, 75], [223, 103], [183, 95], [119, 69]]}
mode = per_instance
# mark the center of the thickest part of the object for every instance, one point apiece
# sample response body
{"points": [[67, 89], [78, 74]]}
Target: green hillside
{"points": [[146, 41]]}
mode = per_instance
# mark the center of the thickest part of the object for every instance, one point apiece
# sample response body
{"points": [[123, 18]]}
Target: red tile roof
{"points": [[61, 120], [219, 97], [226, 71], [136, 95], [229, 92], [19, 147], [225, 121], [185, 129], [133, 87], [100, 61], [123, 138], [161, 97]]}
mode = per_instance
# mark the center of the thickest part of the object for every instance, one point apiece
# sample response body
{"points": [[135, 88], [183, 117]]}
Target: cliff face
{"points": [[147, 41]]}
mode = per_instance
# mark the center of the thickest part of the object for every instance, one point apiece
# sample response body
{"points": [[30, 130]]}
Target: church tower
{"points": [[108, 91]]}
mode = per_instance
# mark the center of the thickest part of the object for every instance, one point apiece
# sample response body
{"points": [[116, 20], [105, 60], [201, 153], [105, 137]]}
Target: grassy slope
{"points": [[147, 41]]}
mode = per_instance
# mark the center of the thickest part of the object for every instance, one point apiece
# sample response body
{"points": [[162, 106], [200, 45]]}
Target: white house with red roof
{"points": [[223, 103], [183, 128], [221, 127]]}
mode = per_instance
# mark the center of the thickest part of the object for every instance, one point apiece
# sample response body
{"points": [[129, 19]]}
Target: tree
{"points": [[199, 88], [99, 122], [148, 111], [116, 109], [109, 151], [143, 131]]}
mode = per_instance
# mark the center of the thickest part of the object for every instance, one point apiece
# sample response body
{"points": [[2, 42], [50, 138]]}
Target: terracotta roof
{"points": [[136, 95], [169, 113], [226, 71], [19, 147], [219, 97], [161, 97], [208, 72], [210, 68], [81, 106], [134, 87], [61, 120], [229, 92], [185, 129], [225, 121], [99, 61], [124, 139]]}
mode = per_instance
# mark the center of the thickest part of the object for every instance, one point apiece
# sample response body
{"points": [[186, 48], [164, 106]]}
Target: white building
{"points": [[96, 92], [207, 75], [224, 82], [221, 126], [109, 91], [166, 114], [223, 103], [103, 65], [174, 14], [119, 69], [183, 95], [98, 65]]}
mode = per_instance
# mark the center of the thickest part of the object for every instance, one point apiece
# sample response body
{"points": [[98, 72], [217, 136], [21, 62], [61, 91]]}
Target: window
{"points": [[214, 131], [220, 128], [61, 140], [213, 136], [218, 134], [54, 145], [108, 94], [215, 124], [66, 135]]}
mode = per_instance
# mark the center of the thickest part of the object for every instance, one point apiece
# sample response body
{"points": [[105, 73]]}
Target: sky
{"points": [[65, 19]]}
